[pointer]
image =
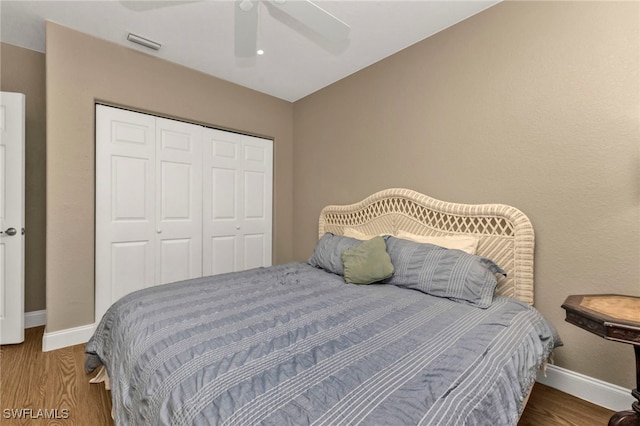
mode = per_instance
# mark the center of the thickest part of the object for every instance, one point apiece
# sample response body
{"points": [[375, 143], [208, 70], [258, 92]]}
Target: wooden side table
{"points": [[614, 317]]}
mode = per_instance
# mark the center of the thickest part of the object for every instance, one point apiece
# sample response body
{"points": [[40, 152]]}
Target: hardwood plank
{"points": [[34, 380], [548, 406]]}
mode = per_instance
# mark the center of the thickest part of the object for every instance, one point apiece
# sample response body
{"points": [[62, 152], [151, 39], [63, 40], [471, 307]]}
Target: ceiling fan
{"points": [[304, 12]]}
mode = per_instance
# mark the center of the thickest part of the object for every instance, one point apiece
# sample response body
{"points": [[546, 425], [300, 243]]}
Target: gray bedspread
{"points": [[294, 345]]}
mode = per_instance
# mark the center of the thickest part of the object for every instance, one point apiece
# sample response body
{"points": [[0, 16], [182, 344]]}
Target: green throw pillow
{"points": [[367, 262]]}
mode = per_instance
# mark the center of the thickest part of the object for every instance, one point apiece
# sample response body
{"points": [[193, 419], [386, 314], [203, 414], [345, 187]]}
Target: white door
{"points": [[237, 202], [178, 201], [12, 136], [257, 182], [148, 203], [125, 204]]}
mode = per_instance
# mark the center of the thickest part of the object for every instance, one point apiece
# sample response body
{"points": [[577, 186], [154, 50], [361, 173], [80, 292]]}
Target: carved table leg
{"points": [[630, 417], [625, 418]]}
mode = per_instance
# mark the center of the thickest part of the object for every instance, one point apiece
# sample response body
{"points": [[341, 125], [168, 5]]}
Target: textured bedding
{"points": [[293, 344]]}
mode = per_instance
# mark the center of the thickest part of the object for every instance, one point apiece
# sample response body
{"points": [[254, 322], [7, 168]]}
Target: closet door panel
{"points": [[254, 250], [130, 192], [222, 198], [178, 201], [129, 267], [125, 210], [254, 196], [257, 201], [224, 186], [237, 201], [222, 254], [177, 259], [177, 191]]}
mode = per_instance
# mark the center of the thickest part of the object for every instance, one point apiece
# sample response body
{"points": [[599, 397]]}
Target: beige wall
{"points": [[80, 70], [533, 104], [530, 104], [23, 71]]}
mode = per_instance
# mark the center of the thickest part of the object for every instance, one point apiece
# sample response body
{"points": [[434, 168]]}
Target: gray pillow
{"points": [[367, 262], [442, 272], [328, 252]]}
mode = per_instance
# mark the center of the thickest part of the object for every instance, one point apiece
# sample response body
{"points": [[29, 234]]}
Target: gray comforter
{"points": [[293, 344]]}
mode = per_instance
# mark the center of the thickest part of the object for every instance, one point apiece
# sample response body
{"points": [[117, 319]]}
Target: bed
{"points": [[341, 338]]}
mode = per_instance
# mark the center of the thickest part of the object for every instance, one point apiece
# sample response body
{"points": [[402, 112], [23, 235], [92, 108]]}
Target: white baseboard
{"points": [[69, 337], [596, 391], [35, 318]]}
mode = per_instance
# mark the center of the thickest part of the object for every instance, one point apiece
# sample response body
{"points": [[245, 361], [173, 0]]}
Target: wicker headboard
{"points": [[505, 233]]}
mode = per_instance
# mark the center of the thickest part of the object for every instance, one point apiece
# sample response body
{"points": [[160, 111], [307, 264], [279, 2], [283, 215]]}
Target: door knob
{"points": [[11, 232]]}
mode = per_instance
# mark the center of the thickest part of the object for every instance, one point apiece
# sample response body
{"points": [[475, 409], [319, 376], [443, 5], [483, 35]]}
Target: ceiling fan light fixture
{"points": [[143, 41], [305, 12], [246, 5]]}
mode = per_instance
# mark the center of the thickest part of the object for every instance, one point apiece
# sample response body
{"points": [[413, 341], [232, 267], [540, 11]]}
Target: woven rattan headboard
{"points": [[505, 233]]}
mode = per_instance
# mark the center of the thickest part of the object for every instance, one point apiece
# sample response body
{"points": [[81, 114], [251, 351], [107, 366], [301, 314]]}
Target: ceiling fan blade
{"points": [[246, 28], [315, 18], [144, 5]]}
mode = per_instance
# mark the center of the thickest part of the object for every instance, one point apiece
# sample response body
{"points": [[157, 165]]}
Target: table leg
{"points": [[630, 417]]}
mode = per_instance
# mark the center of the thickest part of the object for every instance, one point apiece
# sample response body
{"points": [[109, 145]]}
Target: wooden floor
{"points": [[41, 385]]}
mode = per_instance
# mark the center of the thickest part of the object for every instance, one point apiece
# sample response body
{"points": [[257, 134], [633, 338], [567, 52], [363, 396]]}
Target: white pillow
{"points": [[354, 233], [466, 243]]}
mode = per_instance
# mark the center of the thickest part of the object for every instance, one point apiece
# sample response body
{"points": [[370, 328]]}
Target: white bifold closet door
{"points": [[237, 202], [175, 201]]}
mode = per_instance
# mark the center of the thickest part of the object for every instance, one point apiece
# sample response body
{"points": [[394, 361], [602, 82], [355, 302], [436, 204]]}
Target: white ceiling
{"points": [[200, 34]]}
